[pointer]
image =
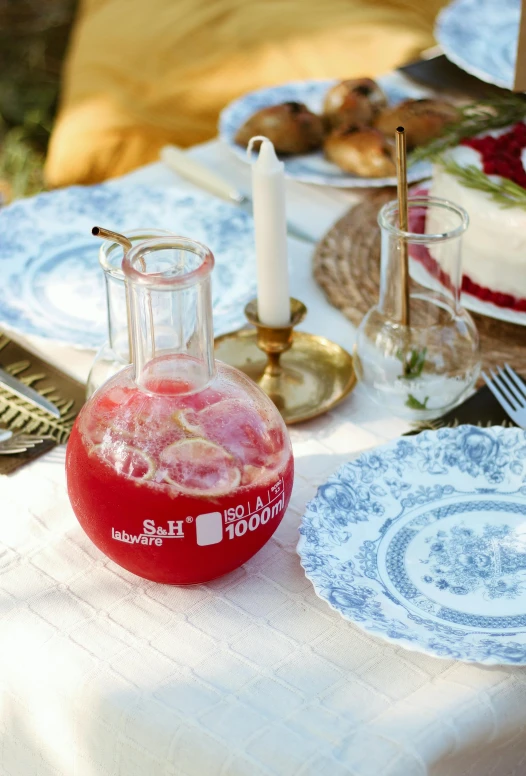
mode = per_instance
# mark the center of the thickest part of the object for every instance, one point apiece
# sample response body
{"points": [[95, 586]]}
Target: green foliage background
{"points": [[33, 41]]}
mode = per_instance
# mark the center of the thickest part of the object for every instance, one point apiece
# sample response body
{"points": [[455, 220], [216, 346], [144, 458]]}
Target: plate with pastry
{"points": [[338, 133]]}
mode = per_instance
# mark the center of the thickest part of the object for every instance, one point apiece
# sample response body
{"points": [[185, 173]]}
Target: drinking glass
{"points": [[114, 354]]}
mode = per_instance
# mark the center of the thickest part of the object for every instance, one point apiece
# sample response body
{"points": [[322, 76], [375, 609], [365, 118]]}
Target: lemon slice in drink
{"points": [[236, 426], [127, 461], [218, 414], [255, 475], [200, 468], [265, 474]]}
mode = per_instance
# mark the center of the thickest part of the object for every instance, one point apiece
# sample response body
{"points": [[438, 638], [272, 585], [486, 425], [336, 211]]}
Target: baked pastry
{"points": [[494, 246], [291, 126], [422, 120], [361, 151], [354, 101]]}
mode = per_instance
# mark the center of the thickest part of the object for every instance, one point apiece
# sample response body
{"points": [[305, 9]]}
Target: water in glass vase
{"points": [[178, 469]]}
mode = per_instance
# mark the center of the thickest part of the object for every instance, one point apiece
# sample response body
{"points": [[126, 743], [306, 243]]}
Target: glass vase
{"points": [[417, 350], [179, 468]]}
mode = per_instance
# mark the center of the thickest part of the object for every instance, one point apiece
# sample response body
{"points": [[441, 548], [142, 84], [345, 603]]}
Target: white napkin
{"points": [[312, 209]]}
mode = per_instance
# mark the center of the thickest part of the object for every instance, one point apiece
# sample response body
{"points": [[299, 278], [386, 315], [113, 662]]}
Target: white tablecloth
{"points": [[104, 674]]}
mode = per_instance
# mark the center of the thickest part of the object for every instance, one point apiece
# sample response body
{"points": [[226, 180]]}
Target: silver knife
{"points": [[28, 394], [195, 172]]}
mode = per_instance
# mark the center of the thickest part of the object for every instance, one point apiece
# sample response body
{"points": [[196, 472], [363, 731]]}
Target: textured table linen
{"points": [[105, 674]]}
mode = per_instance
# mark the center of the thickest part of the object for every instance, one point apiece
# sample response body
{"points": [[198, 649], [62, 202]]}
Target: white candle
{"points": [[268, 196]]}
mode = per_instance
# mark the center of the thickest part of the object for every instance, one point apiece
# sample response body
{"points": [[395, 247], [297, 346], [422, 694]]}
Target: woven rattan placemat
{"points": [[347, 267]]}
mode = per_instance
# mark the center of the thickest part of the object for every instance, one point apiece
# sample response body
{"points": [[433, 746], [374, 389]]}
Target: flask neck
{"points": [[170, 303], [433, 248]]}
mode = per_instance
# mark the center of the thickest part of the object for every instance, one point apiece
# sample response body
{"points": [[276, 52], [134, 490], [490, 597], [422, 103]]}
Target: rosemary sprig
{"points": [[413, 362], [414, 404], [474, 118], [413, 366], [504, 192]]}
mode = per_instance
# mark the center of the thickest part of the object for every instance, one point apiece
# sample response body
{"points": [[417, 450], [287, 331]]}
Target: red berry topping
{"points": [[502, 155]]}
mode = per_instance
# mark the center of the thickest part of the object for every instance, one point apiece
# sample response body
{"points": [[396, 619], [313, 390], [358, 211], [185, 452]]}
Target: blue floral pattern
{"points": [[313, 167], [480, 36], [52, 284], [463, 559], [423, 542]]}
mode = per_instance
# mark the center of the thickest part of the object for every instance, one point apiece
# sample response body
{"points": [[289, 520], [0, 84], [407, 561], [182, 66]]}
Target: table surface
{"points": [[105, 674]]}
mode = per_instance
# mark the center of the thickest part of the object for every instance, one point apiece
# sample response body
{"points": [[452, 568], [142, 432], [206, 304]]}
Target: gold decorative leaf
{"points": [[434, 425], [17, 414], [17, 367]]}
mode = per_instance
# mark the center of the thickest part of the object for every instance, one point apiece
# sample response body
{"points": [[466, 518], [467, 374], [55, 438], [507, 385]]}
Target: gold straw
{"points": [[401, 174], [107, 234]]}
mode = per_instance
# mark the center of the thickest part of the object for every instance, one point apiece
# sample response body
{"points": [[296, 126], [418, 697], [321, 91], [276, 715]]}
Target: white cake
{"points": [[494, 245]]}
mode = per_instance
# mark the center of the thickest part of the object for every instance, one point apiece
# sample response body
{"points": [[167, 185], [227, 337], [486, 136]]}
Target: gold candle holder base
{"points": [[303, 374]]}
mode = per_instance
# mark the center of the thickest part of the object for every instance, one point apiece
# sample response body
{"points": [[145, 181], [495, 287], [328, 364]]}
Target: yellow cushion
{"points": [[141, 73]]}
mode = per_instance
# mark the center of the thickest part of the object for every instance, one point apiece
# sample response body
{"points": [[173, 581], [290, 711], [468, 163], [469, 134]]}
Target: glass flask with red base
{"points": [[178, 468]]}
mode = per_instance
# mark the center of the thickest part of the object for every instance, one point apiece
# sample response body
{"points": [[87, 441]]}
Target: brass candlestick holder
{"points": [[303, 374]]}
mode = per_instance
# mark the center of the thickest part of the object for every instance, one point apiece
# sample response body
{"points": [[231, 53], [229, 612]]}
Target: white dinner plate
{"points": [[480, 36], [422, 542], [313, 167], [52, 284]]}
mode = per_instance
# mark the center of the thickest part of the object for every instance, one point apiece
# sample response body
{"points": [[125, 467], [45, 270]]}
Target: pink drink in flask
{"points": [[178, 469]]}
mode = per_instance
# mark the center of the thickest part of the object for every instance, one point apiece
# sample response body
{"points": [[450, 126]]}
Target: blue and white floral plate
{"points": [[52, 284], [423, 543], [481, 37], [314, 168]]}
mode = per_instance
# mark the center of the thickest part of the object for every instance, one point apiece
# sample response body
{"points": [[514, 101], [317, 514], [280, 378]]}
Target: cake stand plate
{"points": [[469, 302]]}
